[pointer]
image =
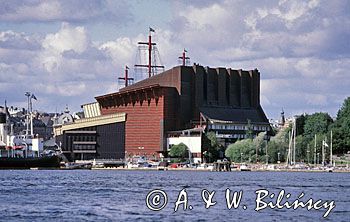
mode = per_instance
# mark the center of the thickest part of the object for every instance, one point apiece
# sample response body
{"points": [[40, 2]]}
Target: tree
{"points": [[317, 123], [341, 129], [211, 146], [179, 151], [241, 150], [279, 144], [300, 123], [249, 132], [250, 150]]}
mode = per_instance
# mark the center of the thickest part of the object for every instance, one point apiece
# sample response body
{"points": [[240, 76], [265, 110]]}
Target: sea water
{"points": [[121, 195]]}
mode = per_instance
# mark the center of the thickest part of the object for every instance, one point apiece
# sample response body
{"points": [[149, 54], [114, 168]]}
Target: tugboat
{"points": [[23, 151]]}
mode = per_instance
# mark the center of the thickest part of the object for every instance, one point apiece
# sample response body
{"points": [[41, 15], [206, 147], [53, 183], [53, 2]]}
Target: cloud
{"points": [[12, 40], [64, 67], [300, 47], [64, 10]]}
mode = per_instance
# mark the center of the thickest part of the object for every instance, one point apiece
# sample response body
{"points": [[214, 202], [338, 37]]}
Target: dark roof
{"points": [[133, 90], [229, 115], [167, 78]]}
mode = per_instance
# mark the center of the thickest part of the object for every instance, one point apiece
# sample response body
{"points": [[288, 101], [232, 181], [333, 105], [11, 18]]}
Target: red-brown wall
{"points": [[144, 125]]}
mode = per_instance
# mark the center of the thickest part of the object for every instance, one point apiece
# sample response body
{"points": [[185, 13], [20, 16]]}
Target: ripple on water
{"points": [[120, 195]]}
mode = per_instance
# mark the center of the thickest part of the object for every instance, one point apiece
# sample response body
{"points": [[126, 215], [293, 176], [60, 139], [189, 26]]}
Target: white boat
{"points": [[244, 167]]}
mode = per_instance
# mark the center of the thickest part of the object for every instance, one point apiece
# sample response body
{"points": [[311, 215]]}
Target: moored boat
{"points": [[30, 162]]}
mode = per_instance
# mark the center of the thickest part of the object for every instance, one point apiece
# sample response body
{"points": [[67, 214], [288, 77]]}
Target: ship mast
{"points": [[126, 76], [185, 59], [151, 51], [29, 115], [27, 94]]}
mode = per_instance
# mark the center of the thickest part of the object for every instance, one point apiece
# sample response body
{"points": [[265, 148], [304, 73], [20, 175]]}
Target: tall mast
{"points": [[295, 129], [126, 76], [331, 149], [27, 94], [289, 156], [315, 150], [184, 58], [151, 50], [31, 116], [323, 145]]}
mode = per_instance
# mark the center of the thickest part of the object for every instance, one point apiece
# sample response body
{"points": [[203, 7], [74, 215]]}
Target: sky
{"points": [[67, 52]]}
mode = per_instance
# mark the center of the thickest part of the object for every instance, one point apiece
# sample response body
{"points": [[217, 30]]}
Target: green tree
{"points": [[211, 147], [273, 148], [251, 149], [179, 151], [242, 149], [279, 144], [300, 123], [249, 132], [341, 129], [317, 123]]}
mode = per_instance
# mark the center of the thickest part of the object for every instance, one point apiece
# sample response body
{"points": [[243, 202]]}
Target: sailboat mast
{"points": [[295, 129], [27, 94], [315, 149], [289, 156], [331, 149], [31, 117], [323, 145]]}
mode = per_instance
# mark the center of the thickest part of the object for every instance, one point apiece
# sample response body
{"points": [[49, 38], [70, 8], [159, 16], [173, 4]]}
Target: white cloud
{"points": [[67, 67], [13, 40], [54, 45], [68, 38], [300, 47], [120, 50], [64, 10]]}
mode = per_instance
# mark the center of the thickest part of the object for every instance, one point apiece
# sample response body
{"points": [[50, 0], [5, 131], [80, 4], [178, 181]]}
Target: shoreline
{"points": [[233, 170], [189, 169]]}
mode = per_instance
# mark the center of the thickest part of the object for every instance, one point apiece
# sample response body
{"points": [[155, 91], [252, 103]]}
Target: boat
{"points": [[163, 166], [23, 150], [77, 166], [30, 162], [244, 167]]}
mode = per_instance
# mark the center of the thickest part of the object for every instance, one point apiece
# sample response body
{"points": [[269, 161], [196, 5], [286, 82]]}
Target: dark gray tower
{"points": [[282, 120]]}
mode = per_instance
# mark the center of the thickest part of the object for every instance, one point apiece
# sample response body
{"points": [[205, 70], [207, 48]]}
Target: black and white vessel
{"points": [[23, 151]]}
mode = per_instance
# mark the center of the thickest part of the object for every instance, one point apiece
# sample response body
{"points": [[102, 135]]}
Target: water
{"points": [[113, 195]]}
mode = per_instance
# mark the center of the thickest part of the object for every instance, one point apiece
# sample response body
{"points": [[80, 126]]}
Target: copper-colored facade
{"points": [[177, 98]]}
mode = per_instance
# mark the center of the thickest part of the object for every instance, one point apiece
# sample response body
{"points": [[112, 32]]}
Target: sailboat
{"points": [[23, 151]]}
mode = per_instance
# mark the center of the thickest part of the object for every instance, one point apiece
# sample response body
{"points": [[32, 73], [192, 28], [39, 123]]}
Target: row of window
{"points": [[237, 127], [82, 138], [84, 147]]}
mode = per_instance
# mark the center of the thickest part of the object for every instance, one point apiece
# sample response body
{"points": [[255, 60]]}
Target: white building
{"points": [[192, 139]]}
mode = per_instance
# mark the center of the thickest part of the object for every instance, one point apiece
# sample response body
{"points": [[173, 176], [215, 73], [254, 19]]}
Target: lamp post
{"points": [[318, 158], [241, 157], [27, 94], [308, 151], [278, 157], [266, 138]]}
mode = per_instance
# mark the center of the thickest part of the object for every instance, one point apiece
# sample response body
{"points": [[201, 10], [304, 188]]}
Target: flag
{"points": [[151, 30], [33, 97]]}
